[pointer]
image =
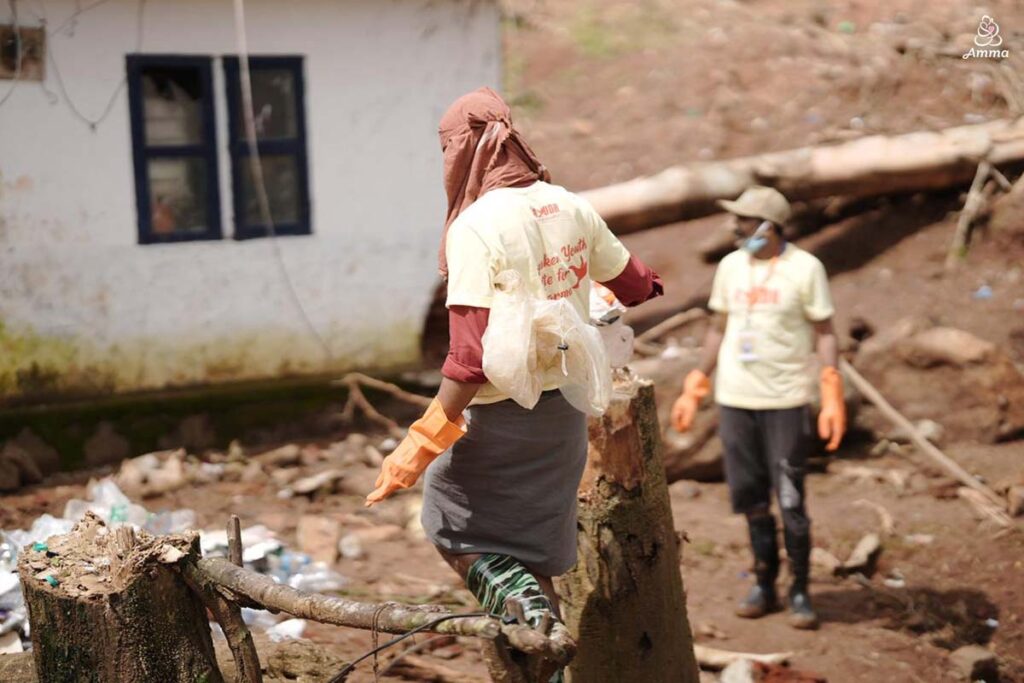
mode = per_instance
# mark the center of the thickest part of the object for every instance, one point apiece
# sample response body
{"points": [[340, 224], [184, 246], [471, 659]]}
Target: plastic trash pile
{"points": [[262, 553], [105, 500]]}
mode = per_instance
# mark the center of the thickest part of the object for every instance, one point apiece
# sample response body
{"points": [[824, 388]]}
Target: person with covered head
{"points": [[500, 490], [772, 309]]}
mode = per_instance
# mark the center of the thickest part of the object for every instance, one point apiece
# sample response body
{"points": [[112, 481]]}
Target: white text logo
{"points": [[987, 40]]}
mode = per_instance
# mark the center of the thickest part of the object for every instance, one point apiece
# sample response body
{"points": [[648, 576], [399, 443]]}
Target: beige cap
{"points": [[765, 203]]}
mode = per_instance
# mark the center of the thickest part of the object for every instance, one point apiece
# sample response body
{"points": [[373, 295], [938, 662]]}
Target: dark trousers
{"points": [[766, 451]]}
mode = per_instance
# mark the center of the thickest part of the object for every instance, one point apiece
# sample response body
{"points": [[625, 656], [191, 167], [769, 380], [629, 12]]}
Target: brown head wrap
{"points": [[482, 152]]}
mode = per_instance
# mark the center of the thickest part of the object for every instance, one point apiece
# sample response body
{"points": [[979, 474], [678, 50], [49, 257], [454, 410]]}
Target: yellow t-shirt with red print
{"points": [[553, 238], [764, 361]]}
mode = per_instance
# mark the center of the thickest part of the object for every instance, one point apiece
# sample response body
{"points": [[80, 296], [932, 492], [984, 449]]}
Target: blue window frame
{"points": [[278, 95], [174, 147]]}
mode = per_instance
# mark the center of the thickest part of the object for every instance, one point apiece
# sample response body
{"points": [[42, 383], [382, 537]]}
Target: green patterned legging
{"points": [[494, 578]]}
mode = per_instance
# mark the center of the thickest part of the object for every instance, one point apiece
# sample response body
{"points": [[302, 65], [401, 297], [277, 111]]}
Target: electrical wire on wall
{"points": [[94, 122], [258, 180], [51, 57]]}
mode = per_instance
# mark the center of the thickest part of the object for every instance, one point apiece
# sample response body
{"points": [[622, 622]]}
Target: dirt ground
{"points": [[606, 91]]}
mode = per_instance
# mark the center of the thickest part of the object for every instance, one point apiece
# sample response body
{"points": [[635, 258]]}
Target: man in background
{"points": [[772, 309]]}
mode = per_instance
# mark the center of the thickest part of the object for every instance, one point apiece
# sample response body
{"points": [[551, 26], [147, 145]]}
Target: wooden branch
{"points": [[229, 616], [354, 381], [671, 323], [386, 618], [235, 540], [986, 507], [972, 205], [888, 525], [868, 390], [870, 166], [387, 387]]}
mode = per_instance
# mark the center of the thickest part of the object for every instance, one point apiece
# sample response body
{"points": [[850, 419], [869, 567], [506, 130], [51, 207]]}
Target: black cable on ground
{"points": [[343, 674]]}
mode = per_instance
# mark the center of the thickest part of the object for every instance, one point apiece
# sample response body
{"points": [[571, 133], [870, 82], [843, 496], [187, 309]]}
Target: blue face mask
{"points": [[757, 241]]}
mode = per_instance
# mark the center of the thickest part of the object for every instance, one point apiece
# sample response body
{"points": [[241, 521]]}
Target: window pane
{"points": [[273, 104], [177, 196], [280, 173], [171, 105]]}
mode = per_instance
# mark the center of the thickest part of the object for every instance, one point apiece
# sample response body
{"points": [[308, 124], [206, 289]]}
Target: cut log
{"points": [[624, 600], [112, 607], [869, 166]]}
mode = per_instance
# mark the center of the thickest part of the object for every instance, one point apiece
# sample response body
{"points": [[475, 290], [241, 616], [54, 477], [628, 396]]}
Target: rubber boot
{"points": [[762, 598], [801, 614]]}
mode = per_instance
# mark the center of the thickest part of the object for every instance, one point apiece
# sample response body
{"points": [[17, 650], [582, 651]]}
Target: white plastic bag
{"points": [[606, 313], [531, 343]]}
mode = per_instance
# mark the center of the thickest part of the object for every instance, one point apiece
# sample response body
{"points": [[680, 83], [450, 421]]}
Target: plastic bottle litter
{"points": [[982, 293], [289, 629], [350, 547]]}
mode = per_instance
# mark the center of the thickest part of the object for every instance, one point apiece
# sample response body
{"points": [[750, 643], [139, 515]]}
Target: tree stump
{"points": [[624, 600], [107, 606]]}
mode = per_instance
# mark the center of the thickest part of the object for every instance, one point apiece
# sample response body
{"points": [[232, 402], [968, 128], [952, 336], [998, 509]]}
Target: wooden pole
{"points": [[927, 447], [870, 166], [624, 601]]}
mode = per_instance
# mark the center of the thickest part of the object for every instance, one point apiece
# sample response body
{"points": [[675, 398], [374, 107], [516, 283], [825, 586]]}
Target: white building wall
{"points": [[84, 306]]}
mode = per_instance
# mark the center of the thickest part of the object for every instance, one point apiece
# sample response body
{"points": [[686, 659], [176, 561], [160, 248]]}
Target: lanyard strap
{"points": [[752, 290]]}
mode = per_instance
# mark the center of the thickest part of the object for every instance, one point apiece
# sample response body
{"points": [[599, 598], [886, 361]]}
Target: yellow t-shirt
{"points": [[764, 361], [553, 238]]}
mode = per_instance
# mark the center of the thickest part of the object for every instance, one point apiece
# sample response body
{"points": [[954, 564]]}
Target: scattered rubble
{"points": [[967, 385], [975, 663]]}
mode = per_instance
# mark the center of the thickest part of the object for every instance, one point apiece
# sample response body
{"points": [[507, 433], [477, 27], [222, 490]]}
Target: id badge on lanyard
{"points": [[747, 344]]}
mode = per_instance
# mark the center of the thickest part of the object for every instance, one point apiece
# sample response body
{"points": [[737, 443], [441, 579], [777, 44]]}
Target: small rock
{"points": [[283, 477], [324, 481], [284, 456], [10, 476], [350, 547], [22, 459], [946, 346], [318, 537], [929, 429], [252, 473], [685, 489], [740, 671], [975, 663], [918, 539], [372, 457]]}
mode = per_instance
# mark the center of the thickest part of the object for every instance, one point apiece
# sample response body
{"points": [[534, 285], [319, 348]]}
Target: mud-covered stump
{"points": [[624, 600], [108, 606]]}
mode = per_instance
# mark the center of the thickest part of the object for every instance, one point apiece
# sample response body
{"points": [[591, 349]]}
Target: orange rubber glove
{"points": [[695, 387], [832, 418], [428, 437]]}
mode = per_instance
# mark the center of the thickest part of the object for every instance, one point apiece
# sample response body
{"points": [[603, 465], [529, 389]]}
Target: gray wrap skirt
{"points": [[509, 485]]}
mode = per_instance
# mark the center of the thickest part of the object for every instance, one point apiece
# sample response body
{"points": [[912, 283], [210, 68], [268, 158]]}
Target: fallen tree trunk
{"points": [[873, 165], [624, 599]]}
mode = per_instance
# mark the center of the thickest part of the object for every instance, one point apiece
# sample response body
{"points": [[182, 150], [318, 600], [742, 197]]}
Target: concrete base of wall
{"points": [[68, 436]]}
